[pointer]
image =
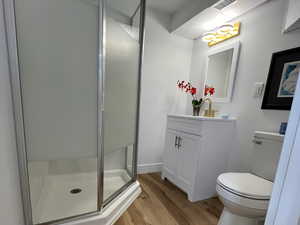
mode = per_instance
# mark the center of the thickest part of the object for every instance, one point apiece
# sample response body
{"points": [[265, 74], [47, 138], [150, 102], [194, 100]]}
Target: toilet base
{"points": [[228, 218]]}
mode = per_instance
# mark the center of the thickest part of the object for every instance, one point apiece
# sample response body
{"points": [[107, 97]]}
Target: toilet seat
{"points": [[246, 185], [240, 202]]}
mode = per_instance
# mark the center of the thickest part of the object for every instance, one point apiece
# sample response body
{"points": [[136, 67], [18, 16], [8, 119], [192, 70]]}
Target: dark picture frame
{"points": [[282, 80]]}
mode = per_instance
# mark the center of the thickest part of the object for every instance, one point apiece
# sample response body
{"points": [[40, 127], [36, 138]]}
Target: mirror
{"points": [[220, 71]]}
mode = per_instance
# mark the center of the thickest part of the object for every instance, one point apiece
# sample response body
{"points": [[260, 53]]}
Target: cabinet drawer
{"points": [[183, 125]]}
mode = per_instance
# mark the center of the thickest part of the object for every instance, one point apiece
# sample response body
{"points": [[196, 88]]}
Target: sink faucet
{"points": [[209, 112]]}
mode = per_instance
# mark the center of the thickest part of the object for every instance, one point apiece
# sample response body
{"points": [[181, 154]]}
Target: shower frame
{"points": [[12, 49]]}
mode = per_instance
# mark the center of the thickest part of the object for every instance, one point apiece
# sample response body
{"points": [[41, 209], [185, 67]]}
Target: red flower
{"points": [[206, 90], [209, 91], [193, 91], [187, 87]]}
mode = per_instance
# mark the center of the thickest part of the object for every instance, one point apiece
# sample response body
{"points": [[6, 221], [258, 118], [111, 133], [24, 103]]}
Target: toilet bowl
{"points": [[245, 198], [246, 195]]}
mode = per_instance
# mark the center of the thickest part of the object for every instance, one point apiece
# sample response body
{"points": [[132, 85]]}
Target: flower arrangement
{"points": [[187, 87]]}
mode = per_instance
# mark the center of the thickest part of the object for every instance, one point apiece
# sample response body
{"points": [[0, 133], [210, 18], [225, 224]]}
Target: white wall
{"points": [[10, 204], [260, 37], [166, 60]]}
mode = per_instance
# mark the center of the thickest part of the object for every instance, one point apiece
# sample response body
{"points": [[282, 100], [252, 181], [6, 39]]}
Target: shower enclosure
{"points": [[75, 73]]}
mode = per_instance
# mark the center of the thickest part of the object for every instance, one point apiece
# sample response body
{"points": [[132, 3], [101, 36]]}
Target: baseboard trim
{"points": [[149, 168]]}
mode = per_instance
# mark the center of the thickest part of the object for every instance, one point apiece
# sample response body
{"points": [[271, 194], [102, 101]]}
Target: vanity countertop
{"points": [[190, 117]]}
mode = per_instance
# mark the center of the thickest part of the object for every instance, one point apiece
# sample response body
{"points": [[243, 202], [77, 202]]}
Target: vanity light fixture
{"points": [[226, 28], [222, 33], [208, 37]]}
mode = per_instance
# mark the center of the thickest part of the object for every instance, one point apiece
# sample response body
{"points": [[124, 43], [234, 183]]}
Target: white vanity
{"points": [[196, 151]]}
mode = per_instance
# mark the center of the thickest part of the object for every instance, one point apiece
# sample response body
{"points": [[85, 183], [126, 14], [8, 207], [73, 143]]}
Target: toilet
{"points": [[246, 195]]}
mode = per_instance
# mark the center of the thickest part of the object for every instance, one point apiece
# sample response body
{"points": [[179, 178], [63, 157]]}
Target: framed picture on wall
{"points": [[282, 80]]}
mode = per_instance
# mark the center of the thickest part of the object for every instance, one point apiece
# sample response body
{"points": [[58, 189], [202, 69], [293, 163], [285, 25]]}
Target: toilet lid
{"points": [[246, 184]]}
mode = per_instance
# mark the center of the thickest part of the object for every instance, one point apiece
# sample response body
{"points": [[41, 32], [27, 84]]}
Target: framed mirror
{"points": [[220, 71]]}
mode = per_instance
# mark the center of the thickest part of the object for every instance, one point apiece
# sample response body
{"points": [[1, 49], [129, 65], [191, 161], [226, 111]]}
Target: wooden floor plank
{"points": [[156, 205], [162, 203]]}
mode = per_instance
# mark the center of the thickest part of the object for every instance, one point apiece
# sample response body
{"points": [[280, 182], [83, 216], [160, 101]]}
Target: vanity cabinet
{"points": [[178, 150], [196, 151]]}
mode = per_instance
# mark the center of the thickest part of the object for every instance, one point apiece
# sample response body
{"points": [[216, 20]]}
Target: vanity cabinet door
{"points": [[189, 147], [170, 155]]}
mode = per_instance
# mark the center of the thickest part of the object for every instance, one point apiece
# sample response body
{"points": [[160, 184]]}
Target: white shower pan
{"points": [[52, 194]]}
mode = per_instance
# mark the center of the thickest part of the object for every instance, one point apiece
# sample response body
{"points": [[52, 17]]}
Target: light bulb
{"points": [[208, 37], [225, 29]]}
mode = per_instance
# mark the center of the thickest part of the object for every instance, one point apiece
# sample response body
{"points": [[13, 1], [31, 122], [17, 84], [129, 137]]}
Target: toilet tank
{"points": [[267, 149]]}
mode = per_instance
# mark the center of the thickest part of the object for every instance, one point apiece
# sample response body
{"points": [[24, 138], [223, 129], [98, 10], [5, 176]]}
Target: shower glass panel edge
{"points": [[10, 28], [101, 78], [141, 57], [9, 15]]}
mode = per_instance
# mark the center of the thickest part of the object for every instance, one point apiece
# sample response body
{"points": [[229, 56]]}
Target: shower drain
{"points": [[75, 191]]}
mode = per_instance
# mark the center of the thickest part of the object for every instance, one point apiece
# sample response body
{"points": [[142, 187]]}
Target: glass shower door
{"points": [[58, 63], [121, 91]]}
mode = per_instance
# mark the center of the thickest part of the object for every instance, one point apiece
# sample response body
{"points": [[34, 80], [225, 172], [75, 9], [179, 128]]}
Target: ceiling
{"points": [[168, 6], [211, 18], [126, 7]]}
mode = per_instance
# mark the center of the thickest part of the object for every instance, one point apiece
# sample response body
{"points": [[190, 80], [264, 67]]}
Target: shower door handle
{"points": [[176, 139], [179, 142]]}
